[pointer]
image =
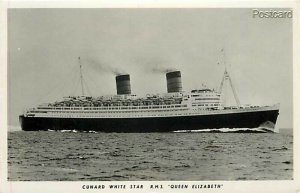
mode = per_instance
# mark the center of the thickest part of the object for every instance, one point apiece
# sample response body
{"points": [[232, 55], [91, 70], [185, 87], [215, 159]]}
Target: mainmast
{"points": [[226, 77], [81, 78]]}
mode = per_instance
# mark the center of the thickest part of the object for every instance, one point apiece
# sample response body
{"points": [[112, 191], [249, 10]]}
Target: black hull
{"points": [[153, 124]]}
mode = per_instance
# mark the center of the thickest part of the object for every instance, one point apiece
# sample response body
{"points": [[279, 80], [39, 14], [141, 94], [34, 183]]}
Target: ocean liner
{"points": [[174, 111]]}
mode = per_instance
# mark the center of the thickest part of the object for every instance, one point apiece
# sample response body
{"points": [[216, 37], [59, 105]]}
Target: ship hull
{"points": [[153, 124]]}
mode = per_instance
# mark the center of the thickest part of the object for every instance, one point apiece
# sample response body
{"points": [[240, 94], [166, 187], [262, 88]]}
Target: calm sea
{"points": [[68, 156]]}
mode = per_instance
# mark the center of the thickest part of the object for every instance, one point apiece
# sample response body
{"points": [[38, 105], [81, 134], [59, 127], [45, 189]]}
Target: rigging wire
{"points": [[83, 80], [71, 84], [87, 87], [57, 86], [76, 85], [89, 79], [69, 81]]}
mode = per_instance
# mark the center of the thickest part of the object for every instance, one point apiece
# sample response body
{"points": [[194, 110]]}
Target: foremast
{"points": [[226, 77]]}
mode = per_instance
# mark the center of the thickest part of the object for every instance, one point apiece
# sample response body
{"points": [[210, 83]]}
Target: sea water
{"points": [[77, 156]]}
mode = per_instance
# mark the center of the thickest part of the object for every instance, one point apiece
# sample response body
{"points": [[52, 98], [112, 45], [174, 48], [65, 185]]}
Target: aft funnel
{"points": [[174, 83]]}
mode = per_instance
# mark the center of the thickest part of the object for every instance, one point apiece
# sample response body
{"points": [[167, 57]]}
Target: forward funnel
{"points": [[123, 84]]}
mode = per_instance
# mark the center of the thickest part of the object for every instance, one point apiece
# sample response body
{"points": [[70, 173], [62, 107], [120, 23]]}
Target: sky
{"points": [[44, 46]]}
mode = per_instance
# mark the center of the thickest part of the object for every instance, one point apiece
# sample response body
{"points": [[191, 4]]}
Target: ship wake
{"points": [[230, 130], [220, 130], [72, 131]]}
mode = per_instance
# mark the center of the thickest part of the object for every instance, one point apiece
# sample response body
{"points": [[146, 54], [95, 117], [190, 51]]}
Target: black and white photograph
{"points": [[104, 95]]}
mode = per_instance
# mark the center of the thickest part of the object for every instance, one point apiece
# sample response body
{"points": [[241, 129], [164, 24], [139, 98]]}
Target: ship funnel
{"points": [[123, 84], [174, 81]]}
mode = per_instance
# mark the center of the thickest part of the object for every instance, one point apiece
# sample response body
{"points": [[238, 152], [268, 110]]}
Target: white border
{"points": [[290, 186]]}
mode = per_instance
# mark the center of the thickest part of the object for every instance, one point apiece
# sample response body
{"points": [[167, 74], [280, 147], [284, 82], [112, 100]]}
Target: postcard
{"points": [[129, 96]]}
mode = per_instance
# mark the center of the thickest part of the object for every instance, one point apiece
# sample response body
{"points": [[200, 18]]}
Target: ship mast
{"points": [[81, 78], [226, 77]]}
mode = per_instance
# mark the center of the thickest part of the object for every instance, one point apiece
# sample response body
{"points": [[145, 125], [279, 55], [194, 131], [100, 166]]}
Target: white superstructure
{"points": [[196, 102]]}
